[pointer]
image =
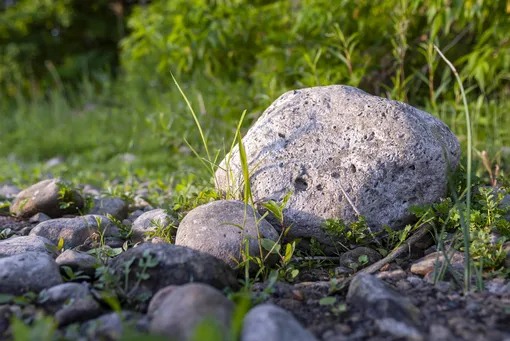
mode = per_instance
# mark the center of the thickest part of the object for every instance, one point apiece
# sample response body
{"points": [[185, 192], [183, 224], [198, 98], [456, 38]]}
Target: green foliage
{"points": [[487, 219], [49, 42], [345, 235], [278, 44]]}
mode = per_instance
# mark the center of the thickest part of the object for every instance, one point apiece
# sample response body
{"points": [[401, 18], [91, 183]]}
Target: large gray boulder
{"points": [[339, 150], [219, 227]]}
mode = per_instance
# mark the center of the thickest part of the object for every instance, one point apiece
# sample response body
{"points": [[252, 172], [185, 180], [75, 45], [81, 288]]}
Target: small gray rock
{"points": [[210, 228], [398, 329], [79, 310], [333, 145], [17, 245], [116, 207], [39, 218], [149, 222], [269, 322], [379, 300], [74, 231], [350, 259], [426, 264], [174, 265], [44, 197], [8, 191], [506, 248], [54, 298], [187, 307], [110, 326], [78, 261], [29, 271], [160, 296]]}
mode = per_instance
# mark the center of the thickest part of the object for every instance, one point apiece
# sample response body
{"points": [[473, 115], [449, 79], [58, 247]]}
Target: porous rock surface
{"points": [[337, 147]]}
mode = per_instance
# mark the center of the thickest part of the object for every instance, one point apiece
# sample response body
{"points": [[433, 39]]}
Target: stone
{"points": [[8, 191], [39, 218], [379, 300], [74, 231], [29, 271], [79, 310], [54, 298], [214, 228], [116, 207], [398, 329], [44, 197], [426, 264], [18, 245], [188, 306], [160, 296], [351, 258], [506, 248], [149, 222], [336, 145], [90, 190], [269, 322], [175, 265], [78, 261], [109, 326]]}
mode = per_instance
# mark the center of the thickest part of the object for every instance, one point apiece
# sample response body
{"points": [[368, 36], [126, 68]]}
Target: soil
{"points": [[445, 313]]}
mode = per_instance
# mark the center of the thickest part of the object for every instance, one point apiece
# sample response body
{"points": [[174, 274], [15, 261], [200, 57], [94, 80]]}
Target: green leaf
{"points": [[270, 245], [6, 298], [330, 300]]}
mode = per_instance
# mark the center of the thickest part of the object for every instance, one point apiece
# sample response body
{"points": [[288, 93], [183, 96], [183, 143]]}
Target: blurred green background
{"points": [[89, 82]]}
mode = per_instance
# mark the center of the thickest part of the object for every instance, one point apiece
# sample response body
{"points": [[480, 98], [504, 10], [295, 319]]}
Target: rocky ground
{"points": [[80, 268]]}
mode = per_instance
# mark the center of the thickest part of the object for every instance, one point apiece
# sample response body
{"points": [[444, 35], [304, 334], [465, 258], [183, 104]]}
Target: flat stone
{"points": [[29, 271], [187, 307], [428, 263], [269, 322], [219, 227], [336, 145], [18, 245], [74, 231], [174, 265], [44, 197]]}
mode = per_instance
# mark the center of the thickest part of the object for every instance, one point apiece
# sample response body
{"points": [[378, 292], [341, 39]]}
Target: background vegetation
{"points": [[90, 81]]}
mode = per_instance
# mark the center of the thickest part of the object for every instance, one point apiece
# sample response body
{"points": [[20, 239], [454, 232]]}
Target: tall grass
{"points": [[465, 219]]}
